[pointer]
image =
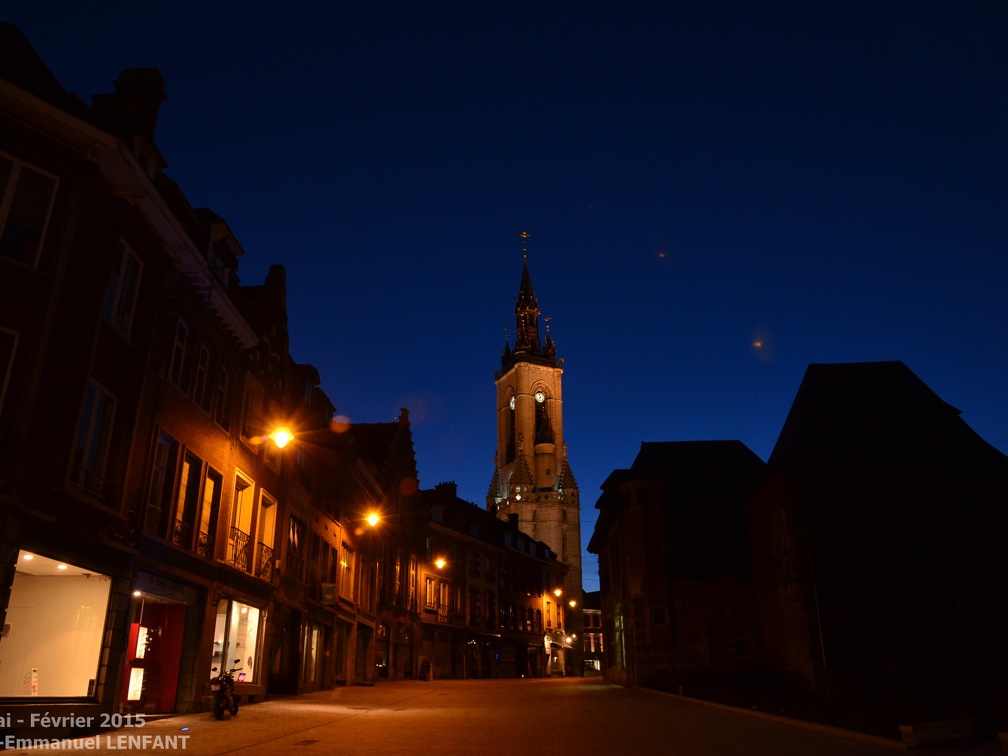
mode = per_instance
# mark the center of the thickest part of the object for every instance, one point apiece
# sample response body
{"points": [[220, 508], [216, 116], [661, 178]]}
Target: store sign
{"points": [[156, 585], [329, 593]]}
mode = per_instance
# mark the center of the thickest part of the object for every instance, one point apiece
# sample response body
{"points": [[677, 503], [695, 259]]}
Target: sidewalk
{"points": [[562, 717]]}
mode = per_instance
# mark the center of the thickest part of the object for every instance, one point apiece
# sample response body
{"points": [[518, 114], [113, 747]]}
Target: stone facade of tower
{"points": [[532, 477]]}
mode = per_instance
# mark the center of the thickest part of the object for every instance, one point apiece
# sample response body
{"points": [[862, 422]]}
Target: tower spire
{"points": [[526, 309]]}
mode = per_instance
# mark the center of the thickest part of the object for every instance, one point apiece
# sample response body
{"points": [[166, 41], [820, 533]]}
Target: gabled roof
{"points": [[22, 66], [698, 468], [689, 471], [874, 417], [387, 448]]}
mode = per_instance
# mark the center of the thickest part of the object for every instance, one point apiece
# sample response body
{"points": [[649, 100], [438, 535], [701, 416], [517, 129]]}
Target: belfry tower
{"points": [[532, 477]]}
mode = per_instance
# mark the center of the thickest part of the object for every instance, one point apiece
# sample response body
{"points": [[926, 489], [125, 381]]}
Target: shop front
{"points": [[237, 644], [165, 620], [62, 640]]}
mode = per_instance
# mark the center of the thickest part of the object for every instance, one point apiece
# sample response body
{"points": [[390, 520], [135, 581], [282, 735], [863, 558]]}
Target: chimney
{"points": [[133, 109]]}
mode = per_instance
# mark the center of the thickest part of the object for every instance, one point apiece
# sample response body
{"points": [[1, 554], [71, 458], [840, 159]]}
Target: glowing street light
{"points": [[372, 519], [282, 436], [440, 562], [558, 592]]}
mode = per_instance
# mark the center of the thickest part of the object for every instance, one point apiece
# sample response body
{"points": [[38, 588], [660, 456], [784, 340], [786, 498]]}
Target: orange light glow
{"points": [[282, 436], [373, 518], [440, 562]]}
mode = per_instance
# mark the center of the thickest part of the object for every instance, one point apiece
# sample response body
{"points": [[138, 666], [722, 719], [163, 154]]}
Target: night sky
{"points": [[718, 193]]}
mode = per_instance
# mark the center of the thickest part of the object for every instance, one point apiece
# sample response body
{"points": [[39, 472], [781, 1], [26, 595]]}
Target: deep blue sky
{"points": [[827, 178]]}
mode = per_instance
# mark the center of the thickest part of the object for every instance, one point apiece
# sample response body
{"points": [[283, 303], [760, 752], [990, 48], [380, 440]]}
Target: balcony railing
{"points": [[204, 545], [443, 612], [90, 483], [295, 565], [182, 534], [264, 564], [240, 550]]}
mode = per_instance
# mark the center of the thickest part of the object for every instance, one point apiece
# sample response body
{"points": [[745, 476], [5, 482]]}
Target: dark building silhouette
{"points": [[674, 571], [876, 542], [857, 578]]}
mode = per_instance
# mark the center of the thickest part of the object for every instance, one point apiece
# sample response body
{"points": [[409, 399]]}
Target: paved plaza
{"points": [[559, 717]]}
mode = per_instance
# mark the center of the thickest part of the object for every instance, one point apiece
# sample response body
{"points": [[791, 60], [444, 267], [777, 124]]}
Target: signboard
{"points": [[329, 593]]}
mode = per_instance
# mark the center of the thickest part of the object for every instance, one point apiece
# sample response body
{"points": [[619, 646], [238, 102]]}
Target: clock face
{"points": [[511, 402], [540, 397]]}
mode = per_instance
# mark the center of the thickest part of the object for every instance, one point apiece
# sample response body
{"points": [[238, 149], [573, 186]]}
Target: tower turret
{"points": [[532, 478]]}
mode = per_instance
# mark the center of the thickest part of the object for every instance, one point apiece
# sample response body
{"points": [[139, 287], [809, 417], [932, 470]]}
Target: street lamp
{"points": [[282, 436], [372, 519], [440, 562]]}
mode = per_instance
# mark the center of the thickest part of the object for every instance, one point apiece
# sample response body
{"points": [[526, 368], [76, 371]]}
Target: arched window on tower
{"points": [[543, 431], [512, 436]]}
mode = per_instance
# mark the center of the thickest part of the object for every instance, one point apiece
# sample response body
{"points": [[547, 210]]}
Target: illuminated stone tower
{"points": [[532, 477]]}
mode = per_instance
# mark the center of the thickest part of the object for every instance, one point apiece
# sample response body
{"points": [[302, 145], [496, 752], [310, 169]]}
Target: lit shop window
{"points": [[53, 605], [236, 636]]}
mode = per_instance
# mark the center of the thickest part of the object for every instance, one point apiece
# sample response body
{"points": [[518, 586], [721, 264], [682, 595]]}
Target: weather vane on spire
{"points": [[525, 235]]}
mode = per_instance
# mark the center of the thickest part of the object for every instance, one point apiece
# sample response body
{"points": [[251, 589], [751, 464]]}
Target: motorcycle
{"points": [[223, 689]]}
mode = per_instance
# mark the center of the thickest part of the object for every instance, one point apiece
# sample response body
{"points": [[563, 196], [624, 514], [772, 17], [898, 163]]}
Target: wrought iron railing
{"points": [[182, 534], [442, 613], [264, 564], [204, 545], [295, 565], [240, 550], [90, 483], [152, 520]]}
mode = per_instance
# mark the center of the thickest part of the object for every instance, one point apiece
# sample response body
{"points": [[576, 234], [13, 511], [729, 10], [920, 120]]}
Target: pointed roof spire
{"points": [[526, 308], [527, 346]]}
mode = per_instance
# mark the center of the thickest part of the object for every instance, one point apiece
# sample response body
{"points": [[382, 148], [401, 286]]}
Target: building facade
{"points": [[674, 572], [493, 601], [532, 478], [594, 645], [149, 526]]}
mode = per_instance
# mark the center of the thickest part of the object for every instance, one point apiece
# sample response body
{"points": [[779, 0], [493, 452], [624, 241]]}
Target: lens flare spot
{"points": [[762, 345], [339, 424]]}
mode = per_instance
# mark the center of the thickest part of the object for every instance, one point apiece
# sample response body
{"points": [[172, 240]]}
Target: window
{"points": [[236, 639], [430, 593], [265, 531], [249, 405], [93, 436], [511, 444], [26, 199], [121, 290], [310, 657], [222, 408], [200, 381], [47, 610], [239, 541], [162, 485], [209, 512], [188, 501], [346, 572], [543, 431], [412, 583], [8, 347], [177, 363], [296, 547]]}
